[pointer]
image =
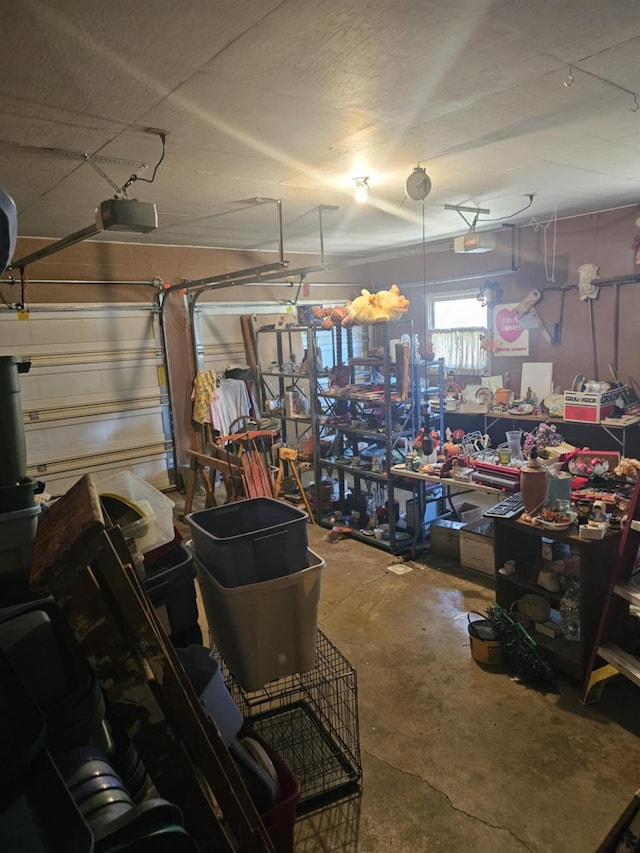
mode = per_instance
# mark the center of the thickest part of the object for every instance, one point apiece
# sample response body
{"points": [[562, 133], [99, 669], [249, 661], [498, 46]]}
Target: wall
{"points": [[602, 238]]}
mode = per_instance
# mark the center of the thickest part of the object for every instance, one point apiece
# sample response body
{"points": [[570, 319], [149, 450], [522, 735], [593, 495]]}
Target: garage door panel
{"points": [[95, 398], [100, 434], [80, 330], [76, 385], [153, 469], [220, 341]]}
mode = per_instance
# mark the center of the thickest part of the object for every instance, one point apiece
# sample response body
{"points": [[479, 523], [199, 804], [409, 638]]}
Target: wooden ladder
{"points": [[624, 588]]}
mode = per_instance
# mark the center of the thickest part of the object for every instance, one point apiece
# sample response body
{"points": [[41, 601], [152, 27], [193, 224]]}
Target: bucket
{"points": [[485, 647]]}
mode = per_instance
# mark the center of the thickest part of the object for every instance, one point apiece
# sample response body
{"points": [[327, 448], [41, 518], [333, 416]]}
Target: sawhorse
{"points": [[290, 456]]}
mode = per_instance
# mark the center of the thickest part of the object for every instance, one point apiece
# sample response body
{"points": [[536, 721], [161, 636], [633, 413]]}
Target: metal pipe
{"points": [[321, 229], [470, 277], [13, 281], [167, 379], [604, 282], [280, 232], [593, 340], [465, 209], [228, 279], [69, 240], [616, 327]]}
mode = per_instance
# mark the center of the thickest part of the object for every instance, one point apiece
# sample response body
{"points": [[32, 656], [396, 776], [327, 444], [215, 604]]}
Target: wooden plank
{"points": [[65, 530], [249, 338]]}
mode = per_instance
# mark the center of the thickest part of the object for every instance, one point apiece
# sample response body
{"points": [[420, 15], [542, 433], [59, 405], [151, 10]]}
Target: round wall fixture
{"points": [[418, 184]]}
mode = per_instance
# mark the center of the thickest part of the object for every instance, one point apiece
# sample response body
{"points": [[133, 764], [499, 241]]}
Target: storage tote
{"points": [[170, 585], [203, 671], [156, 527], [17, 534], [264, 630], [250, 541]]}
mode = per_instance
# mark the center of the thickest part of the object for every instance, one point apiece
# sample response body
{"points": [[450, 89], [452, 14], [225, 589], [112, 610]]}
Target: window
{"points": [[326, 343], [458, 325]]}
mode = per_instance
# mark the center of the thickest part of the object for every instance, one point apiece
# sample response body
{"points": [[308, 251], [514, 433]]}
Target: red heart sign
{"points": [[507, 325]]}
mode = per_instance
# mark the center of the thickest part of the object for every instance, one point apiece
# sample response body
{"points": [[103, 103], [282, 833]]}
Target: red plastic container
{"points": [[280, 820]]}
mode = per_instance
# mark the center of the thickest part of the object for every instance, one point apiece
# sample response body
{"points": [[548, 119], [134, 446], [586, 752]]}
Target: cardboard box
{"points": [[469, 513], [445, 538], [589, 408], [477, 548]]}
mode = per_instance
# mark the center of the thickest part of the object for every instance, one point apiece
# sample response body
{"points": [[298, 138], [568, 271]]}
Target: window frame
{"points": [[482, 331]]}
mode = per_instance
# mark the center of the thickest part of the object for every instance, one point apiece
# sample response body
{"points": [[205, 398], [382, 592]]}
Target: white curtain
{"points": [[460, 349]]}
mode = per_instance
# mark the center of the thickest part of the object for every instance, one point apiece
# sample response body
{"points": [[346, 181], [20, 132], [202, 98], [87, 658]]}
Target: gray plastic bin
{"points": [[250, 541], [203, 671], [264, 630]]}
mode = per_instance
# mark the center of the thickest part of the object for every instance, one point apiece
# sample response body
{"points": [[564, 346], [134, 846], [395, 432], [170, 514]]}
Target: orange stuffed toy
{"points": [[367, 308]]}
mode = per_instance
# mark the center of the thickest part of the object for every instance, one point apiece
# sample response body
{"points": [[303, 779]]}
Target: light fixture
{"points": [[362, 189], [635, 106]]}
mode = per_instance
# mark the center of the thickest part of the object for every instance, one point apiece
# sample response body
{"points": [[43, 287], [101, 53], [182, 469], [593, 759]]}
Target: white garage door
{"points": [[95, 399]]}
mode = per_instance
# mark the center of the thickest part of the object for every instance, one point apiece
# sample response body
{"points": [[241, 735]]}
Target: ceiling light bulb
{"points": [[362, 190]]}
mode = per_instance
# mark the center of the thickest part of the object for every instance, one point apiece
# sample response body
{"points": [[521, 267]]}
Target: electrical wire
{"points": [[133, 178], [511, 215]]}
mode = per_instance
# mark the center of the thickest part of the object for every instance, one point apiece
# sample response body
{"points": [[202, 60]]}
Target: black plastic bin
{"points": [[170, 586], [250, 541]]}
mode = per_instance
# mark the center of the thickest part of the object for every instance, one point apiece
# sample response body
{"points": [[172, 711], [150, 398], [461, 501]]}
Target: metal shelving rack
{"points": [[426, 392], [349, 417], [275, 384]]}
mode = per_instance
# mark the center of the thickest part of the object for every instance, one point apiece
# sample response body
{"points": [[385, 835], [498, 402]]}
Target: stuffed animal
{"points": [[361, 311], [366, 308], [331, 316], [391, 304]]}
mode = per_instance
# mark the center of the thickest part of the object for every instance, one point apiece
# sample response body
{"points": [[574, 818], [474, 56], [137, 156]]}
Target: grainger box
{"points": [[589, 407], [477, 549], [445, 538]]}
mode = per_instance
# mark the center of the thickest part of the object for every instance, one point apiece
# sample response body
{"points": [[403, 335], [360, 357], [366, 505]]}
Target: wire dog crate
{"points": [[311, 720]]}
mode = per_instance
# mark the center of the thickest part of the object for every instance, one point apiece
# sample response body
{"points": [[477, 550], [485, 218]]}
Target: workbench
{"points": [[450, 487], [619, 436]]}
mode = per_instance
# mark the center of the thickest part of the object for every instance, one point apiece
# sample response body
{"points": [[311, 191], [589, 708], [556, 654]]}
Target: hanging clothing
{"points": [[232, 402], [203, 394]]}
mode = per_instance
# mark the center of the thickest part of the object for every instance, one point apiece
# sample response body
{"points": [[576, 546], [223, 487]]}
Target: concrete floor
{"points": [[456, 756]]}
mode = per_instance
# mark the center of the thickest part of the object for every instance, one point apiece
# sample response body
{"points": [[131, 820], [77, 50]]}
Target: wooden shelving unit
{"points": [[517, 540]]}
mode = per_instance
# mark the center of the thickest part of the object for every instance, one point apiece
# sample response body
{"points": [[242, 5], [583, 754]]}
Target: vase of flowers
{"points": [[542, 437]]}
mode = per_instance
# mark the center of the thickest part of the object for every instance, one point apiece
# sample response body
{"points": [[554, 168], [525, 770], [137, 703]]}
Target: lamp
{"points": [[362, 189]]}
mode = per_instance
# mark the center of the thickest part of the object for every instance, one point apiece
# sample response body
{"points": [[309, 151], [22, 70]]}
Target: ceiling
{"points": [[289, 100]]}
